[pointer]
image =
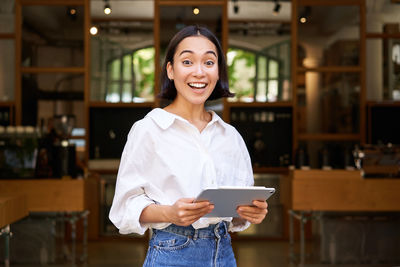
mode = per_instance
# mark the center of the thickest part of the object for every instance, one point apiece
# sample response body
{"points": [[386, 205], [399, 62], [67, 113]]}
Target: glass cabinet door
{"points": [[7, 69], [7, 51], [329, 72], [122, 53]]}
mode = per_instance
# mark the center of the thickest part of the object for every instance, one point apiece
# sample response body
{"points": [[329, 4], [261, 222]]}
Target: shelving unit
{"points": [[312, 79]]}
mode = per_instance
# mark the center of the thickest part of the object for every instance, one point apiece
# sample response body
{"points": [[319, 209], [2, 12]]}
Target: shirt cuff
{"points": [[238, 227], [135, 206]]}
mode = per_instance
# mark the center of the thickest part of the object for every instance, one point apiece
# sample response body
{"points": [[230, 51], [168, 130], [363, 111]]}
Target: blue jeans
{"points": [[186, 246]]}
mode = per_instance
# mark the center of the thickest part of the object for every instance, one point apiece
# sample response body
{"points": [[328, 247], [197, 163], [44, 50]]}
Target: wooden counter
{"points": [[13, 207], [59, 195], [307, 192], [340, 190], [49, 195]]}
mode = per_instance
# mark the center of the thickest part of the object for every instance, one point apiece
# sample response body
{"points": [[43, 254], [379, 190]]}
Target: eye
{"points": [[186, 62], [210, 63]]}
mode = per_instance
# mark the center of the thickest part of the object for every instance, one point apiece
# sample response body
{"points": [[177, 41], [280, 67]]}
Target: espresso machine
{"points": [[64, 152]]}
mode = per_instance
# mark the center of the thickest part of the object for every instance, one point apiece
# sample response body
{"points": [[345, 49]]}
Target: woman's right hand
{"points": [[184, 211]]}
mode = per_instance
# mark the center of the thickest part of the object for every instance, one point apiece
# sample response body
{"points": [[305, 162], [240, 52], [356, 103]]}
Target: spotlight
{"points": [[107, 8], [277, 7], [196, 10], [305, 15], [93, 30], [72, 12]]}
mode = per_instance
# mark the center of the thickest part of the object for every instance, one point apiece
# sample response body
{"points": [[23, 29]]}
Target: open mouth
{"points": [[197, 85]]}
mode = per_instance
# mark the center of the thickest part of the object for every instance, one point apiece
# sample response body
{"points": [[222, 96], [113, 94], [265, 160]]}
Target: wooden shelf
{"points": [[275, 170], [382, 35], [53, 70], [328, 137], [103, 104], [329, 2], [258, 104], [53, 2], [7, 35], [330, 69], [7, 104], [385, 103], [190, 2]]}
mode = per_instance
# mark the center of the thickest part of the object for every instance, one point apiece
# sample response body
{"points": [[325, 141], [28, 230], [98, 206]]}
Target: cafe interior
{"points": [[317, 102]]}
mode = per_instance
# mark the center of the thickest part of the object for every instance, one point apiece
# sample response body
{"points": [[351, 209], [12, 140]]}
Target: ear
{"points": [[170, 71]]}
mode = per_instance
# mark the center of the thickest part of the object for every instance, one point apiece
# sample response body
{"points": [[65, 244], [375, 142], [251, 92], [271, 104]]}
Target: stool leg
{"points": [[72, 222], [6, 232]]}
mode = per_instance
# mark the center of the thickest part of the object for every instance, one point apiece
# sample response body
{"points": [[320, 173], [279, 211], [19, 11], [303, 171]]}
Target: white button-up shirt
{"points": [[167, 158]]}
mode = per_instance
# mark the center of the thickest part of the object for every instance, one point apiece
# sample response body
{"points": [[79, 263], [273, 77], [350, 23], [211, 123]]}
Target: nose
{"points": [[198, 71]]}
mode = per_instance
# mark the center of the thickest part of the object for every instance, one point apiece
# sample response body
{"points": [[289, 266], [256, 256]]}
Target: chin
{"points": [[198, 100]]}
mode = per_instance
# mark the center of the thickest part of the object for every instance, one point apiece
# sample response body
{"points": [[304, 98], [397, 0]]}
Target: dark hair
{"points": [[168, 90]]}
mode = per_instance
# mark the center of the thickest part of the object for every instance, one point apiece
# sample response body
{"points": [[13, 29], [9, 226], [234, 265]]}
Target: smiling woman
{"points": [[174, 153]]}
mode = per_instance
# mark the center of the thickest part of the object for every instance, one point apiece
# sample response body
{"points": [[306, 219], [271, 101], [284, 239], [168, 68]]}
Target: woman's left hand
{"points": [[254, 214]]}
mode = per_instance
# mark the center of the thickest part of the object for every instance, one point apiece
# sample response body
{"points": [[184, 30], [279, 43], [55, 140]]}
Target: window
{"points": [[261, 76], [130, 77]]}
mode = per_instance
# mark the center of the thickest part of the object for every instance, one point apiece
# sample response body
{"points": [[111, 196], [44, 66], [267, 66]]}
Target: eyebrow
{"points": [[191, 52]]}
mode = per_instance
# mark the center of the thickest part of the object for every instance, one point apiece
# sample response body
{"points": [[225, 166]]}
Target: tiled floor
{"points": [[124, 253], [117, 253]]}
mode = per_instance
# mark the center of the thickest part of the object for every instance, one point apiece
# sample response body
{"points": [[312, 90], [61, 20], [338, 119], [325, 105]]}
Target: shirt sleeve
{"points": [[130, 196]]}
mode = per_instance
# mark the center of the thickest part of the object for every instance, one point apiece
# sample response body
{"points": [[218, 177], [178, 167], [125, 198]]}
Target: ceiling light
{"points": [[107, 8], [305, 14], [276, 9], [196, 10], [72, 13], [93, 30]]}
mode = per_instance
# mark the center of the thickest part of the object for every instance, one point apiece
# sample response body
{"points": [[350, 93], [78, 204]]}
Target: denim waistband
{"points": [[213, 230]]}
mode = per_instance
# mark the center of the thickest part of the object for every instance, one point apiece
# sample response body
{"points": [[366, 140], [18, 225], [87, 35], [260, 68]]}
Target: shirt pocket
{"points": [[230, 171]]}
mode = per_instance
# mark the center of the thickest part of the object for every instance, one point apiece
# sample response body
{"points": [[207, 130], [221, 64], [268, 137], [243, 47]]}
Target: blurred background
{"points": [[317, 102]]}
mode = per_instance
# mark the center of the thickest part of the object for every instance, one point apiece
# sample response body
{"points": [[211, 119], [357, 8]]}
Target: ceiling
{"points": [[254, 10]]}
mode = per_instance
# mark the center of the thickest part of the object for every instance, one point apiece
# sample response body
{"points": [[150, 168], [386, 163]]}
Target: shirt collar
{"points": [[165, 119]]}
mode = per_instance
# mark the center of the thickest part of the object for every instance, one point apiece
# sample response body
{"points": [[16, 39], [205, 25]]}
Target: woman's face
{"points": [[195, 69]]}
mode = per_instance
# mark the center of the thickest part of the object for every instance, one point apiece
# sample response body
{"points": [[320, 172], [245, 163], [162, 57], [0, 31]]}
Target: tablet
{"points": [[227, 199]]}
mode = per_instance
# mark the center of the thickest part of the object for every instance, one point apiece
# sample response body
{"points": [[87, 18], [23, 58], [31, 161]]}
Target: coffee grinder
{"points": [[64, 164]]}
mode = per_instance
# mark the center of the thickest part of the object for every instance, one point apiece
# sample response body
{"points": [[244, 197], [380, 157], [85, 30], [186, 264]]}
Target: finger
{"points": [[199, 205], [195, 212], [252, 220], [250, 209], [187, 200], [200, 211], [190, 219], [193, 205], [260, 204], [252, 215]]}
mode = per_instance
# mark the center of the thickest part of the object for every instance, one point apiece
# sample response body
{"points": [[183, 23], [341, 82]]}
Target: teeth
{"points": [[197, 85]]}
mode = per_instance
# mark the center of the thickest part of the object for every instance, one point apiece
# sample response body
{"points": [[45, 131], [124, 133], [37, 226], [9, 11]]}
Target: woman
{"points": [[174, 153]]}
